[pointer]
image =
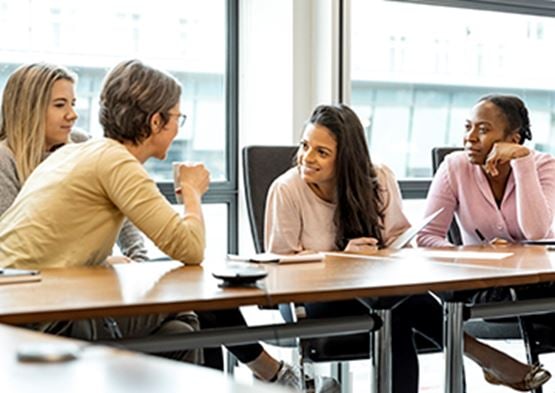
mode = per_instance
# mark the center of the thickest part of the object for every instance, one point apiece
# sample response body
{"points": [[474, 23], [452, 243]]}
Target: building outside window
{"points": [[416, 70], [187, 38]]}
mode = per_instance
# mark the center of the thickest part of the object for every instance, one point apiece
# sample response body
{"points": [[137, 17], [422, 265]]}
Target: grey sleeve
{"points": [[9, 181], [79, 135], [131, 242]]}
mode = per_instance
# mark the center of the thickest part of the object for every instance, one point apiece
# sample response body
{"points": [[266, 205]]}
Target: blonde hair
{"points": [[23, 116]]}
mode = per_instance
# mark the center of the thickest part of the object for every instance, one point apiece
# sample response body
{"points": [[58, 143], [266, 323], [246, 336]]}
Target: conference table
{"points": [[166, 287], [533, 264], [103, 369]]}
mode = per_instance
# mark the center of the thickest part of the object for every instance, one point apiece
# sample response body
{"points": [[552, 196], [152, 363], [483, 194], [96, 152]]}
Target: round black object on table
{"points": [[239, 276]]}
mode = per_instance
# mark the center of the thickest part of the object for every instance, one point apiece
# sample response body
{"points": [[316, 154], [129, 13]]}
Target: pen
{"points": [[480, 236]]}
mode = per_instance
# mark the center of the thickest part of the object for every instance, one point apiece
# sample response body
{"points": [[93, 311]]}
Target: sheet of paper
{"points": [[357, 256], [490, 255], [9, 275]]}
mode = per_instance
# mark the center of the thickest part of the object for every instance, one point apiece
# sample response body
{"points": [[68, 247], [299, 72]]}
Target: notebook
{"points": [[410, 233], [9, 276], [276, 258]]}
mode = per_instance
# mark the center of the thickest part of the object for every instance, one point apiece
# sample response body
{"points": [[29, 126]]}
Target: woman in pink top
{"points": [[496, 189], [335, 198]]}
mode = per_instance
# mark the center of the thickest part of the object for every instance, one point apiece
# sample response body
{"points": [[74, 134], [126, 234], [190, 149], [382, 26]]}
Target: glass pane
{"points": [[417, 70], [215, 219], [186, 38]]}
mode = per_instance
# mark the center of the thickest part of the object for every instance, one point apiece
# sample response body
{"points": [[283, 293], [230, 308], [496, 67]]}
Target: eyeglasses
{"points": [[180, 118]]}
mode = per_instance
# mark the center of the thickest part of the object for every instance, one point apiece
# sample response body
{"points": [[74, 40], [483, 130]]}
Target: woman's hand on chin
{"points": [[501, 153]]}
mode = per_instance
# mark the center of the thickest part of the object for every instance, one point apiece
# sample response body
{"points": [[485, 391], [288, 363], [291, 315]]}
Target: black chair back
{"points": [[438, 154], [261, 166]]}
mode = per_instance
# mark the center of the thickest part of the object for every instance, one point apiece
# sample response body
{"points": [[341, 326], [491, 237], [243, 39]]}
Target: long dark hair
{"points": [[359, 209], [515, 112]]}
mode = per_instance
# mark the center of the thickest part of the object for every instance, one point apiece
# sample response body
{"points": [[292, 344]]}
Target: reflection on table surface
{"points": [[162, 287], [504, 256], [102, 369]]}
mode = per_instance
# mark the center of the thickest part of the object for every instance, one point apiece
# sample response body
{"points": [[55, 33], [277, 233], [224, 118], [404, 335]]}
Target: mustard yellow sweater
{"points": [[71, 208]]}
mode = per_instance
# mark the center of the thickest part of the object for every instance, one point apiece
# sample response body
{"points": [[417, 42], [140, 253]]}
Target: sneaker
{"points": [[326, 385], [290, 376]]}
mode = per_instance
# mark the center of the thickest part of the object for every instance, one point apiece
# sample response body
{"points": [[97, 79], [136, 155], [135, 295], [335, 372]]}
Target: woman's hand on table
{"points": [[362, 245], [118, 259]]}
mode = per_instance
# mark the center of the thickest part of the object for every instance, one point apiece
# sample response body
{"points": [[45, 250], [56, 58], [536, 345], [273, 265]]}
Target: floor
{"points": [[432, 370], [431, 366]]}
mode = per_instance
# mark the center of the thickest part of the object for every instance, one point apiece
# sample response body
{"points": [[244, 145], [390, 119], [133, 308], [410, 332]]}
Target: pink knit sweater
{"points": [[462, 189]]}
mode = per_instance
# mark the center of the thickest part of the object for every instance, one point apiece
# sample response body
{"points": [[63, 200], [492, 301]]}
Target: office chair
{"points": [[261, 166], [438, 154], [535, 331]]}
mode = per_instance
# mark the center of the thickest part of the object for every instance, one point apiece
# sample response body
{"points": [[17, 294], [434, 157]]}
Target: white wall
{"points": [[288, 64]]}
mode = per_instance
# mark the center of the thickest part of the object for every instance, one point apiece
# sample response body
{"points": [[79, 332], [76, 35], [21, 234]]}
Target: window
{"points": [[193, 40], [416, 70]]}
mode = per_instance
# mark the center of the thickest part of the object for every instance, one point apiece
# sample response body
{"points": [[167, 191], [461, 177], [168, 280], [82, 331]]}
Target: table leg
{"points": [[381, 354], [453, 344]]}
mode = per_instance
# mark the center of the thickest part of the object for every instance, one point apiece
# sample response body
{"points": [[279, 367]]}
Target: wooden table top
{"points": [[411, 271], [161, 287], [103, 369]]}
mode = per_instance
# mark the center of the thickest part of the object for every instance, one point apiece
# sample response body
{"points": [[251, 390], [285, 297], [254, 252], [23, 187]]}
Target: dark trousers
{"points": [[114, 328], [227, 318], [420, 314]]}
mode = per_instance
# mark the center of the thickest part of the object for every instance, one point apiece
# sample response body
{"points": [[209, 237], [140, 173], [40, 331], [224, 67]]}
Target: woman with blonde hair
{"points": [[37, 117], [83, 192]]}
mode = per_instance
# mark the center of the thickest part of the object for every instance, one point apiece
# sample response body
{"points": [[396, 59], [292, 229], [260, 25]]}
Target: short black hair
{"points": [[515, 112]]}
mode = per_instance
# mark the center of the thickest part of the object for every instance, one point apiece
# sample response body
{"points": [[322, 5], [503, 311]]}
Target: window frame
{"points": [[530, 7], [225, 192]]}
